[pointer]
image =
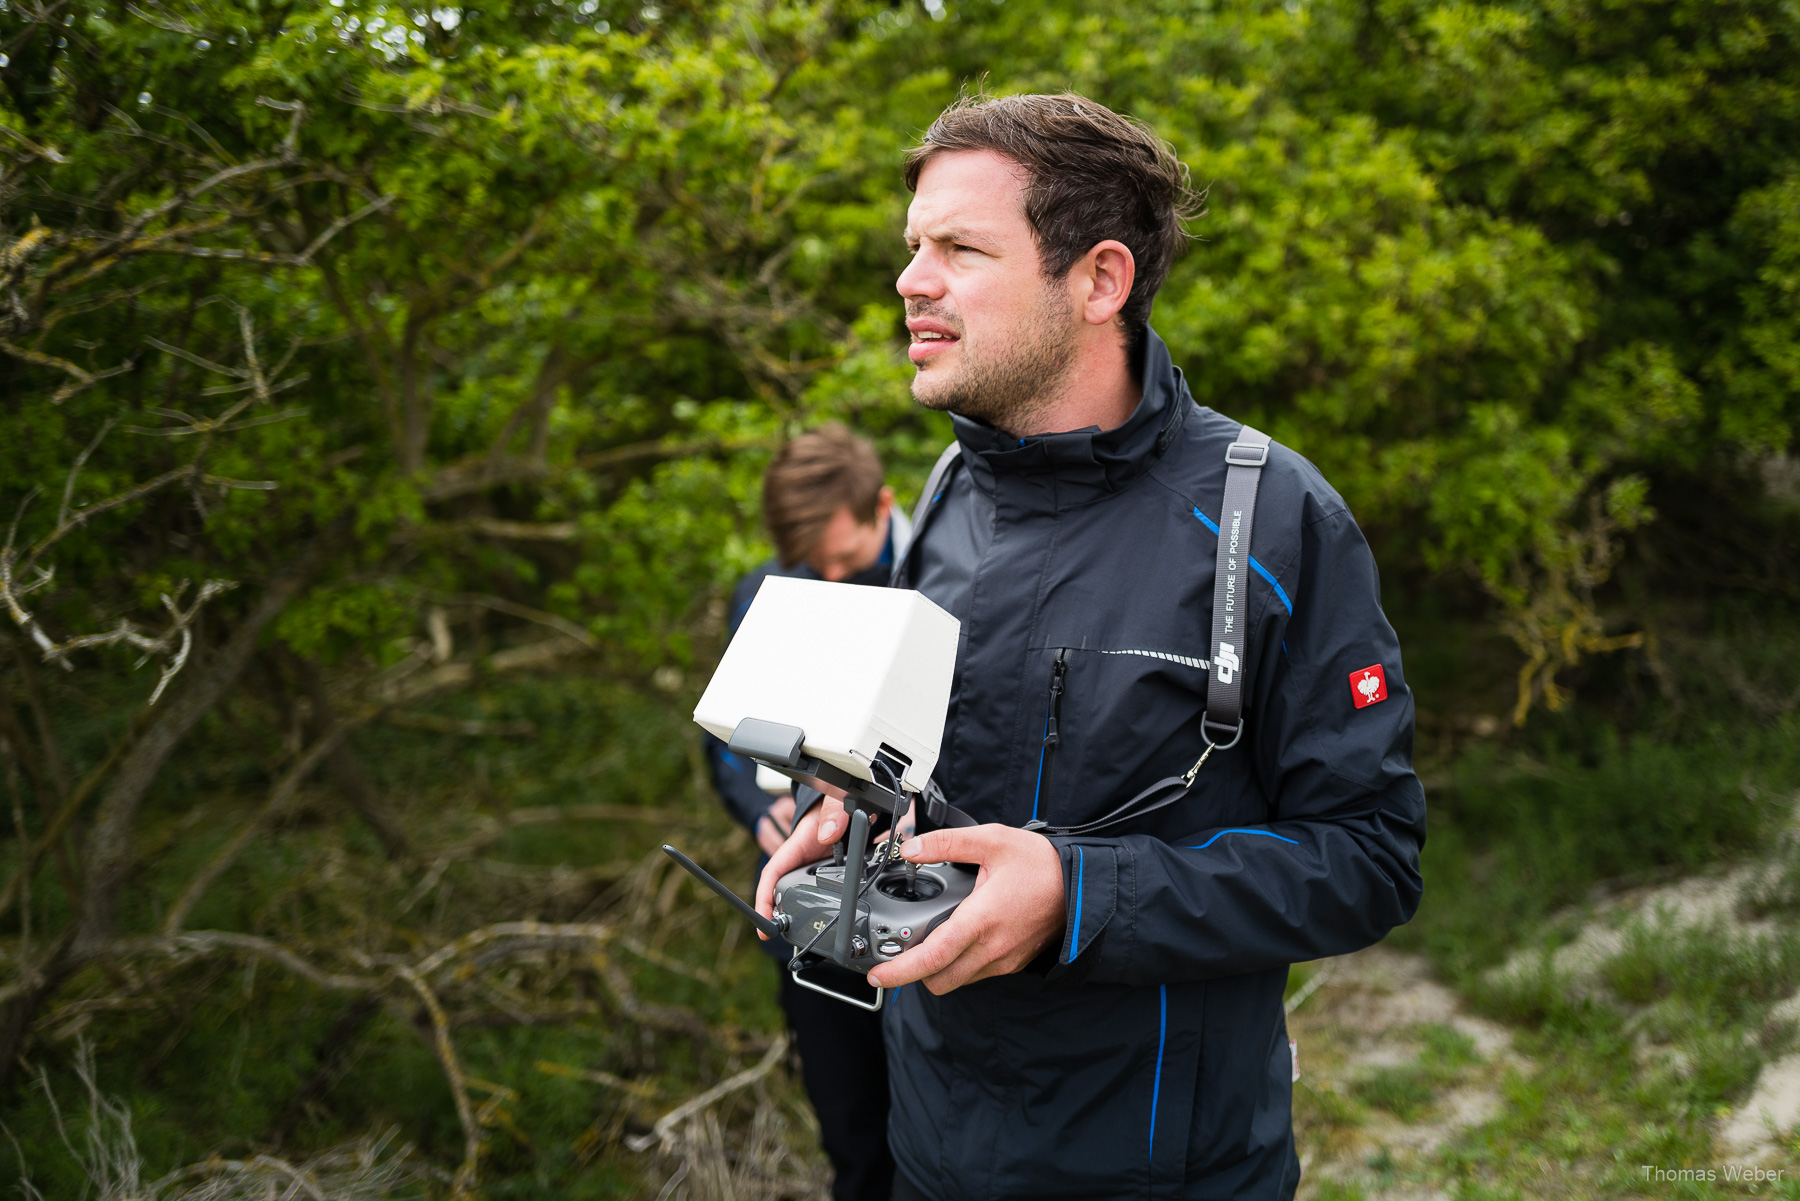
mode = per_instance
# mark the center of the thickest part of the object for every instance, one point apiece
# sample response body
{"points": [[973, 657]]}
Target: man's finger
{"points": [[966, 844], [831, 819], [930, 957]]}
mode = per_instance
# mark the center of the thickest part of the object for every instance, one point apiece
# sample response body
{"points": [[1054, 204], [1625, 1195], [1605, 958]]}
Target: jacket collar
{"points": [[1064, 470]]}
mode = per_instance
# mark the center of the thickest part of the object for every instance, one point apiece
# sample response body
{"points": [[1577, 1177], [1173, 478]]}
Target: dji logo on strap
{"points": [[1227, 662]]}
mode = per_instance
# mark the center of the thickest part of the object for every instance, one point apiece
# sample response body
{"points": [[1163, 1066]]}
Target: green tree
{"points": [[355, 355]]}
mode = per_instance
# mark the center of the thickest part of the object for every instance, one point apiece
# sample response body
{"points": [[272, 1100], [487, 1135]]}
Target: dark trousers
{"points": [[844, 1068]]}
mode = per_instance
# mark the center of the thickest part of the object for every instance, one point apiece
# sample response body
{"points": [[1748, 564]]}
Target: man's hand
{"points": [[774, 826], [813, 835], [1015, 911]]}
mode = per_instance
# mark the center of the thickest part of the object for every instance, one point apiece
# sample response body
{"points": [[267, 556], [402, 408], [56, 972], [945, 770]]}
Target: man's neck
{"points": [[1097, 390]]}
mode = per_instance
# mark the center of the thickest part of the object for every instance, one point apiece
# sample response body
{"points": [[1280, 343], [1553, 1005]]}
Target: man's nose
{"points": [[921, 277], [836, 574]]}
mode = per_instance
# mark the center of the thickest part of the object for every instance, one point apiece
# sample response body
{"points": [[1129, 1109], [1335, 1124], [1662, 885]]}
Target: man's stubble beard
{"points": [[1009, 383]]}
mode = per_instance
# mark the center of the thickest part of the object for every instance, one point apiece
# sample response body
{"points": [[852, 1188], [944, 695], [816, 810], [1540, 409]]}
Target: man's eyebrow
{"points": [[945, 235]]}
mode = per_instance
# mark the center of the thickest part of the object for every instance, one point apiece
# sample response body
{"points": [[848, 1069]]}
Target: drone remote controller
{"points": [[905, 905], [897, 908], [844, 688]]}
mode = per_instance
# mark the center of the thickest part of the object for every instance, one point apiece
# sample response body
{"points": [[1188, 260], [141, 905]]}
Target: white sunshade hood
{"points": [[857, 668]]}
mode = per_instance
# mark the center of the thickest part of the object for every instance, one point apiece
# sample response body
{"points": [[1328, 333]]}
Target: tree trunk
{"points": [[346, 770], [109, 848]]}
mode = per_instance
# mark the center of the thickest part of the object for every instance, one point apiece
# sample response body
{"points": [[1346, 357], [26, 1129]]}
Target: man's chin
{"points": [[930, 390]]}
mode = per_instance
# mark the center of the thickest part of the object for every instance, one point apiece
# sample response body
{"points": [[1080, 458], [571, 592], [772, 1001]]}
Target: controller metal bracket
{"points": [[795, 967]]}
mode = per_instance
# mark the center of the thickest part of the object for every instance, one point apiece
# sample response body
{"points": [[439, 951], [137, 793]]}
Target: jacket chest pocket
{"points": [[1110, 721]]}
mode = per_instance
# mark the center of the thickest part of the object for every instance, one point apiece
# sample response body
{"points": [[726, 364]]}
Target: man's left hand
{"points": [[1014, 912]]}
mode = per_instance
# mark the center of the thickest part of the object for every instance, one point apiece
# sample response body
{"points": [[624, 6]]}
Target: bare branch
{"points": [[212, 942], [225, 481], [400, 690], [478, 473], [276, 258], [591, 932], [541, 815], [518, 531], [512, 609], [33, 147], [128, 235], [81, 516], [613, 456], [290, 145], [651, 955], [191, 357], [336, 227], [637, 1088], [663, 1131], [82, 381], [62, 513], [467, 727], [207, 427], [464, 1183], [170, 24], [279, 798]]}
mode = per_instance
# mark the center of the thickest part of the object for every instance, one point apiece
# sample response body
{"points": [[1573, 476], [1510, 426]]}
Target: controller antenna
{"points": [[774, 929]]}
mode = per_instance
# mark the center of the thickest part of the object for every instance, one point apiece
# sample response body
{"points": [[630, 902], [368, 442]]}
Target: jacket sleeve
{"points": [[1336, 866], [735, 780]]}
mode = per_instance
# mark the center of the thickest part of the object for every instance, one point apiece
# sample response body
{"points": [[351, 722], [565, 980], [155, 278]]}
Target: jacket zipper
{"points": [[1059, 670]]}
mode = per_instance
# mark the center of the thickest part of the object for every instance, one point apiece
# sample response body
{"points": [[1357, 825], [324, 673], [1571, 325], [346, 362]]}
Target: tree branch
{"points": [[280, 797], [465, 1181], [82, 381], [664, 1129], [212, 942]]}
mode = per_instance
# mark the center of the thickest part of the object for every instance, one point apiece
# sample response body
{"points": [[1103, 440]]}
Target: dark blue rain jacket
{"points": [[1148, 1056]]}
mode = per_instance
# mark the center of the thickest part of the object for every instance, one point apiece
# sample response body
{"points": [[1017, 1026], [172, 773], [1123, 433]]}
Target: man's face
{"points": [[990, 335], [848, 547]]}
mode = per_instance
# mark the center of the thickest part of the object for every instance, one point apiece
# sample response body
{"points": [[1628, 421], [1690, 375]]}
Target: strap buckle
{"points": [[1247, 454], [1206, 724]]}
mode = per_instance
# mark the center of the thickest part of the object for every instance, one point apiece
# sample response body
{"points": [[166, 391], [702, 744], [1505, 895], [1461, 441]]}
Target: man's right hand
{"points": [[811, 840]]}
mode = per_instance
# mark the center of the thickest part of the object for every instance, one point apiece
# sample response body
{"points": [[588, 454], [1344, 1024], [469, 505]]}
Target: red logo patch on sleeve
{"points": [[1368, 686]]}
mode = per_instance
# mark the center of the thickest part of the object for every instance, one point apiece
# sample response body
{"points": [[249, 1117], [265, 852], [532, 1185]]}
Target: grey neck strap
{"points": [[1223, 723]]}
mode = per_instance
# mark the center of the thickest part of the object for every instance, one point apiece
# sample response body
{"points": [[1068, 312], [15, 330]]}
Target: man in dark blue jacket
{"points": [[831, 517], [1103, 1016]]}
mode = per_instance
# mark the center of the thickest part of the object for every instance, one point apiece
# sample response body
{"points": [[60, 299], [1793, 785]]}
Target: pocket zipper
{"points": [[1059, 669]]}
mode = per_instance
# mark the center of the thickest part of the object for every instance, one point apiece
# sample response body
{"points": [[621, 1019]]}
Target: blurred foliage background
{"points": [[384, 393]]}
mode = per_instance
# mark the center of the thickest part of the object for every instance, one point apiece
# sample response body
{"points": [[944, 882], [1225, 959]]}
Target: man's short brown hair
{"points": [[1095, 175], [812, 477]]}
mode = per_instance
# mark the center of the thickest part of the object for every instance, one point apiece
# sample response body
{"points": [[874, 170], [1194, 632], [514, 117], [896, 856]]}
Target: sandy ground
{"points": [[1363, 1015], [1372, 1011]]}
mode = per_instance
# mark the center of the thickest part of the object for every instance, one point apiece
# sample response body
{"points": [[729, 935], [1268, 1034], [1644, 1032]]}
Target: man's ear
{"points": [[1106, 274], [884, 503]]}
